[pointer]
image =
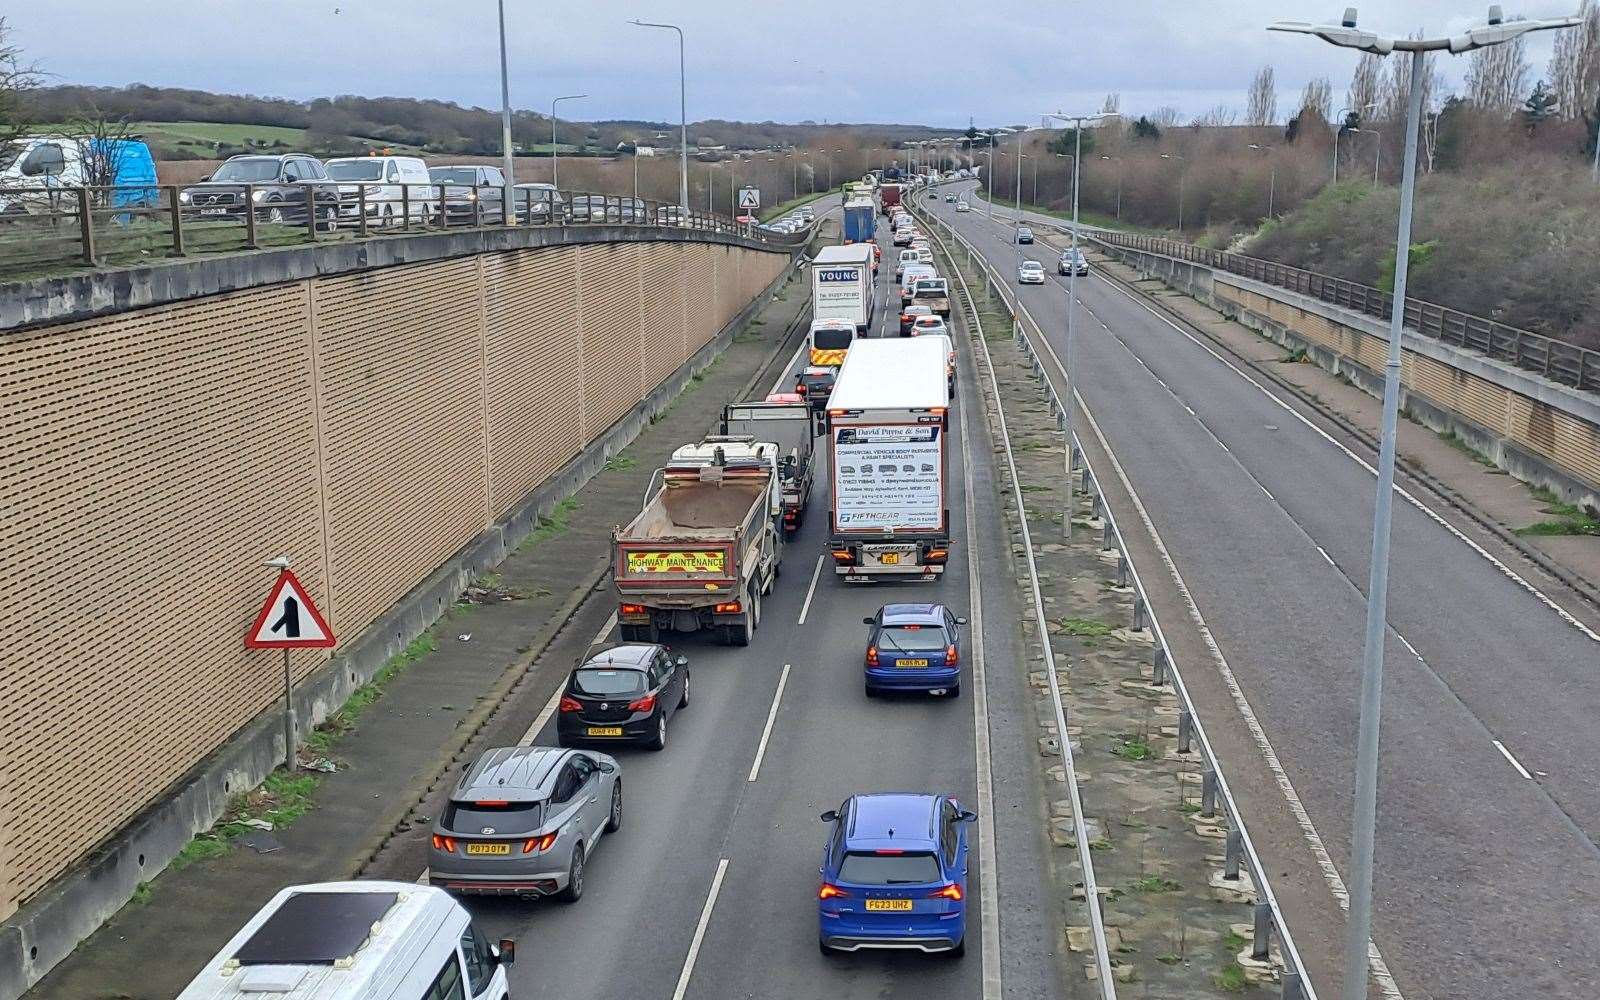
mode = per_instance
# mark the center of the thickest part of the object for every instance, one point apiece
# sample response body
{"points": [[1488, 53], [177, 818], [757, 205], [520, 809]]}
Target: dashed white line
{"points": [[1269, 495], [700, 932], [1514, 761], [766, 732], [1324, 554], [811, 590], [1407, 643]]}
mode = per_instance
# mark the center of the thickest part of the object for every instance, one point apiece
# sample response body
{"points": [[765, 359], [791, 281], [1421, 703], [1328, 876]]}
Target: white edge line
{"points": [[1514, 761], [811, 591], [766, 732], [700, 931], [1327, 557], [788, 369], [555, 698]]}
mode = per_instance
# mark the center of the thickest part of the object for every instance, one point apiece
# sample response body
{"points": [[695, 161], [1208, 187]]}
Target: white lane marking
{"points": [[1330, 873], [1325, 555], [1407, 643], [1269, 494], [1409, 497], [766, 732], [811, 590], [700, 932], [555, 698], [1514, 761], [988, 876], [783, 384]]}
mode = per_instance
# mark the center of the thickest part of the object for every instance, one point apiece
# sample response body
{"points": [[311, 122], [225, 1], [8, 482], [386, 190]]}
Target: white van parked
{"points": [[357, 941], [381, 179]]}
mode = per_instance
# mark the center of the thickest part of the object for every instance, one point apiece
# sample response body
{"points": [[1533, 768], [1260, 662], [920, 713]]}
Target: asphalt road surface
{"points": [[1487, 872], [709, 889]]}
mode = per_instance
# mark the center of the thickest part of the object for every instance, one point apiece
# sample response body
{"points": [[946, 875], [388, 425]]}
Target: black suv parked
{"points": [[276, 184]]}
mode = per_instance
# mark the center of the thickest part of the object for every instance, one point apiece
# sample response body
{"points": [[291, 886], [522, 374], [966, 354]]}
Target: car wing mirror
{"points": [[607, 766], [205, 178], [868, 621], [967, 816], [682, 661], [508, 952], [961, 621], [831, 816]]}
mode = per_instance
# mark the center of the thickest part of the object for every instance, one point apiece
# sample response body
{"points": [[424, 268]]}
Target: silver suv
{"points": [[523, 821]]}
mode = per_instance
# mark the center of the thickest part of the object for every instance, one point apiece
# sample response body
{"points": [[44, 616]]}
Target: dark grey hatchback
{"points": [[623, 694]]}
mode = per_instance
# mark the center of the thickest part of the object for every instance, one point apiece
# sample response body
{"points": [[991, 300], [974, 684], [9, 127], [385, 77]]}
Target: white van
{"points": [[381, 177], [357, 941]]}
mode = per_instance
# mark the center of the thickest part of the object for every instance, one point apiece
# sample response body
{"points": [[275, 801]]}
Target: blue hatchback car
{"points": [[894, 875], [914, 647]]}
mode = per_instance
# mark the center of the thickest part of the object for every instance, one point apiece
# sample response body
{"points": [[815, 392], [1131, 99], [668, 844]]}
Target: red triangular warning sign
{"points": [[289, 620]]}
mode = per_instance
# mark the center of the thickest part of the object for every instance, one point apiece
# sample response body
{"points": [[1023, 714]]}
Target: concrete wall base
{"points": [[46, 930]]}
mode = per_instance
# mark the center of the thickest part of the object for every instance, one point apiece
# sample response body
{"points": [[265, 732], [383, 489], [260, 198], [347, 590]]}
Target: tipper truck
{"points": [[785, 420], [888, 418], [705, 549]]}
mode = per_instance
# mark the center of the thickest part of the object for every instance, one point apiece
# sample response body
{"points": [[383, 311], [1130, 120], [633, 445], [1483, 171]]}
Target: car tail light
{"points": [[951, 657], [534, 845], [729, 608], [645, 704], [872, 656], [570, 704], [800, 387], [446, 844], [951, 891], [831, 891], [632, 609]]}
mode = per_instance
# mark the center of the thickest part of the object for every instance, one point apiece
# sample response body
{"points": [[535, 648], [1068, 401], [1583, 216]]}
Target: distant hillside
{"points": [[197, 124]]}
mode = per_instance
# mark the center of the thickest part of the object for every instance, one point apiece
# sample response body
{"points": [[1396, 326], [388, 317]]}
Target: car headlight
{"points": [[183, 196], [258, 195]]}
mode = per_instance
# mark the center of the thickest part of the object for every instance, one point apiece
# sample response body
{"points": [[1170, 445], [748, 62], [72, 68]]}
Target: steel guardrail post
{"points": [[1158, 666], [1231, 854], [1185, 730], [176, 210], [405, 207], [1208, 791], [250, 241], [361, 208], [1261, 936], [311, 213]]}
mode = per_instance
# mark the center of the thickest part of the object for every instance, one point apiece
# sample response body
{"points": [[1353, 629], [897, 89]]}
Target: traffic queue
{"points": [[700, 556]]}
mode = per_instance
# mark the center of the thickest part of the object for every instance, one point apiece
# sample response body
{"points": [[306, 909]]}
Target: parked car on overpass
{"points": [[277, 187], [472, 193]]}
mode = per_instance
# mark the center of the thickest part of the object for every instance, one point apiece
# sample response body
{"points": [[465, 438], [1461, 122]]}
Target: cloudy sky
{"points": [[937, 62]]}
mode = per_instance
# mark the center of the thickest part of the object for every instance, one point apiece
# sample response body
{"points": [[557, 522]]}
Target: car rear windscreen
{"points": [[912, 637], [501, 817], [890, 869], [826, 339], [608, 683]]}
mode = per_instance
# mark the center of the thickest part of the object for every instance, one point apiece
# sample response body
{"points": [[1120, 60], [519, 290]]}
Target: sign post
{"points": [[749, 205], [287, 621]]}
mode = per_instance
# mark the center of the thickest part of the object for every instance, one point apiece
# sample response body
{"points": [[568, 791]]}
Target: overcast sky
{"points": [[747, 59]]}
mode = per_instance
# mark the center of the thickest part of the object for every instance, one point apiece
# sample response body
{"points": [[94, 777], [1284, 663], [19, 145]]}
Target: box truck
{"points": [[842, 286]]}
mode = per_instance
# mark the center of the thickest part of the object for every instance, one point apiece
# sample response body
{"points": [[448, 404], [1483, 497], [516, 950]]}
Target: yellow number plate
{"points": [[911, 663], [897, 905], [889, 558], [605, 730], [488, 848]]}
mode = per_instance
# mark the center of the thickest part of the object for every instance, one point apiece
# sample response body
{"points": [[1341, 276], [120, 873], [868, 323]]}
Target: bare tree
{"points": [[1497, 76], [17, 78], [1575, 65], [1112, 105], [102, 146], [1394, 90], [1263, 99], [1165, 116], [1318, 96], [1216, 116], [1364, 83]]}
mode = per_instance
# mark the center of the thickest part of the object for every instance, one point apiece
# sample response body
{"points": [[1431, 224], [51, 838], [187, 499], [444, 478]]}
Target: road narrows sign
{"points": [[289, 619], [749, 197]]}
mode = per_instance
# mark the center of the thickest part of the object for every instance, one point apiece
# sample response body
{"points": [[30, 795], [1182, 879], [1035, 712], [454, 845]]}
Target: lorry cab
{"points": [[830, 341]]}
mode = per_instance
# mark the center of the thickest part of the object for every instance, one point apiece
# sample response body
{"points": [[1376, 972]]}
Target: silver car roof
{"points": [[511, 772]]}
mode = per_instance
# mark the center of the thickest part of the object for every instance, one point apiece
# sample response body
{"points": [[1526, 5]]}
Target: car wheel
{"points": [[953, 691], [574, 890], [388, 216], [659, 740], [959, 950], [275, 216], [683, 699], [872, 692], [614, 819], [826, 951]]}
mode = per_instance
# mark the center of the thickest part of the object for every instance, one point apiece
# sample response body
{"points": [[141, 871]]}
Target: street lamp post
{"points": [[1344, 116], [1181, 172], [555, 166], [1072, 302], [508, 167], [1377, 151], [1119, 184], [1358, 929], [1272, 182], [683, 116]]}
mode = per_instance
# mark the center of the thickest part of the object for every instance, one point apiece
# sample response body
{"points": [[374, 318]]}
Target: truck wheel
{"points": [[637, 633], [739, 635]]}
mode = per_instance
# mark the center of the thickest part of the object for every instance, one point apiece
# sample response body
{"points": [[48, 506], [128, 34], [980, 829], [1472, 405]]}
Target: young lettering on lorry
{"points": [[842, 285]]}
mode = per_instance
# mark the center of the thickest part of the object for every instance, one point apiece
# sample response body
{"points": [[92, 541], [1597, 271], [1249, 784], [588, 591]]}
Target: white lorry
{"points": [[842, 285], [706, 547], [888, 418]]}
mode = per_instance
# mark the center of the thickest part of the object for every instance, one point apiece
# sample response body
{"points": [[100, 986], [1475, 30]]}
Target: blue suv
{"points": [[913, 647], [894, 875]]}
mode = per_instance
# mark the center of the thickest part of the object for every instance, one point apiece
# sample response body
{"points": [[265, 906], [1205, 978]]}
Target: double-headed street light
{"points": [[1072, 281], [1496, 30], [683, 116]]}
